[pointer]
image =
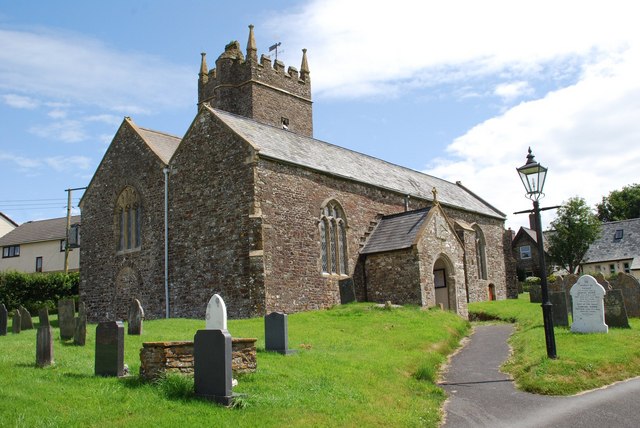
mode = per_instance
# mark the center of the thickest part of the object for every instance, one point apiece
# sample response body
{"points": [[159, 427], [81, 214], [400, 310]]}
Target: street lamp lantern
{"points": [[533, 175]]}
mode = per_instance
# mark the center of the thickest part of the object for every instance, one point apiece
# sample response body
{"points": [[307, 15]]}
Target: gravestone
{"points": [[26, 323], [109, 349], [535, 293], [588, 306], [559, 311], [212, 373], [80, 331], [347, 291], [43, 316], [4, 319], [44, 345], [276, 333], [66, 318], [136, 317], [15, 326], [216, 318], [615, 313]]}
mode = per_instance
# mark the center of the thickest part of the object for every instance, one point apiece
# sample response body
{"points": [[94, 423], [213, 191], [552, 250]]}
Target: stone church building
{"points": [[247, 204]]}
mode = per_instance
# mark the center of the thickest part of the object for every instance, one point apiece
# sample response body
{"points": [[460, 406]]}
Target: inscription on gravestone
{"points": [[26, 323], [4, 319], [136, 317], [80, 331], [615, 313], [588, 306], [66, 318], [109, 349], [15, 326], [216, 318]]}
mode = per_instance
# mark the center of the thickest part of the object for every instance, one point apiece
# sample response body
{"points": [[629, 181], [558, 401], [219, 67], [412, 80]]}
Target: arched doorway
{"points": [[442, 284]]}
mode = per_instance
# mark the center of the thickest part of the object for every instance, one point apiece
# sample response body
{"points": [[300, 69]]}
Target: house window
{"points": [[11, 251], [525, 252], [627, 269], [618, 235], [333, 239], [128, 219], [481, 254], [38, 264]]}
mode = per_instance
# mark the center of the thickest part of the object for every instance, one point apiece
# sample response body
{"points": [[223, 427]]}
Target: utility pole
{"points": [[66, 241]]}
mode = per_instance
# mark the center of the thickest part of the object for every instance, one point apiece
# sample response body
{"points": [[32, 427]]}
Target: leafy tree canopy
{"points": [[620, 204], [575, 229]]}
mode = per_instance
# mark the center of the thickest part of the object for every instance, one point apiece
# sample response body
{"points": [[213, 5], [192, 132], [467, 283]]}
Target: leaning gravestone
{"points": [[615, 313], [66, 318], [212, 373], [588, 306], [216, 317], [276, 333], [15, 327], [110, 349], [136, 317], [4, 319], [44, 345], [559, 311], [26, 323], [80, 331]]}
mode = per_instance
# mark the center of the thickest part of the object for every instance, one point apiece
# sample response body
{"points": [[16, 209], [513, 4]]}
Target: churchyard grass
{"points": [[356, 365], [585, 361]]}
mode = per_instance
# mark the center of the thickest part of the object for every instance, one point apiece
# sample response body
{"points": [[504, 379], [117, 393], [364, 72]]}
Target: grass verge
{"points": [[356, 366], [585, 361]]}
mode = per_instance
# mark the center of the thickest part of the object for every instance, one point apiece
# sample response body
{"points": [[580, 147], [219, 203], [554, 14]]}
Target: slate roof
{"points": [[395, 232], [282, 145], [38, 231], [607, 248], [163, 145]]}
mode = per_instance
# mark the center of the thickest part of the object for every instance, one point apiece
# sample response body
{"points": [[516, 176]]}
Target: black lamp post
{"points": [[533, 175]]}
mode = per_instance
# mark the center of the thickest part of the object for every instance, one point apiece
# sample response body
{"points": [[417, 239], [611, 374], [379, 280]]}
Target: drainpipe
{"points": [[166, 240]]}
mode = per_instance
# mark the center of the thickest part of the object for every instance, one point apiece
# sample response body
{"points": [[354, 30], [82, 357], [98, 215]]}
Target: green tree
{"points": [[620, 204], [574, 230]]}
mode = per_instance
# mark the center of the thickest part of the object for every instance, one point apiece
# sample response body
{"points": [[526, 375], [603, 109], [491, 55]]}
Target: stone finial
{"points": [[252, 51], [304, 67], [204, 70]]}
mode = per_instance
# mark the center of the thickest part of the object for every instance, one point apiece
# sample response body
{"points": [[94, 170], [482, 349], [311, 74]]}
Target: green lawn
{"points": [[356, 366], [585, 361]]}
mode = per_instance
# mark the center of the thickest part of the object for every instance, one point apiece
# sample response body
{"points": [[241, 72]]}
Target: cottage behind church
{"points": [[261, 213]]}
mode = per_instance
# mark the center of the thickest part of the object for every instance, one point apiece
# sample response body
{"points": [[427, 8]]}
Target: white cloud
{"points": [[20, 101]]}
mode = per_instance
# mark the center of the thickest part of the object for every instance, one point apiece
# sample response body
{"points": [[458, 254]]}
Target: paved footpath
{"points": [[481, 396]]}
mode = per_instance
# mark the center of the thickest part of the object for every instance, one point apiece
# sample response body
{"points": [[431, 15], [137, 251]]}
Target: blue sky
{"points": [[457, 89]]}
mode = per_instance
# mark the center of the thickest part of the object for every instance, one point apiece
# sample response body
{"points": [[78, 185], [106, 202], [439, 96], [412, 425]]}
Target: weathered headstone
{"points": [[26, 323], [559, 311], [109, 349], [43, 316], [44, 346], [588, 306], [136, 317], [66, 318], [535, 293], [276, 333], [212, 365], [347, 291], [615, 313], [80, 331], [216, 317], [15, 326], [4, 319]]}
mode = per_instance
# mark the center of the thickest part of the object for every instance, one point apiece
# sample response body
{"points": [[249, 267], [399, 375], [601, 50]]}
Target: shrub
{"points": [[36, 290]]}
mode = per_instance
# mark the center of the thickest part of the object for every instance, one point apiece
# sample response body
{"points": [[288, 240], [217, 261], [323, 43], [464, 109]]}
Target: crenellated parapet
{"points": [[263, 90]]}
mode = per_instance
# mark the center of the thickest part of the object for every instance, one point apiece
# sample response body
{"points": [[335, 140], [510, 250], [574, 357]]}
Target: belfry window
{"points": [[333, 239], [128, 219]]}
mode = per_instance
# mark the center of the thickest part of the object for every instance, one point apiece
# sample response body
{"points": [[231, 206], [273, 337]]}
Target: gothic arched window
{"points": [[333, 239], [481, 253], [128, 219]]}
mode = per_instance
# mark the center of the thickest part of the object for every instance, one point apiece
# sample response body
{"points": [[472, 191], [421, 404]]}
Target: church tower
{"points": [[260, 90]]}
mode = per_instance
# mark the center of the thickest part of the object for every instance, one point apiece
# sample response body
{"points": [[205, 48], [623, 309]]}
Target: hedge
{"points": [[36, 290]]}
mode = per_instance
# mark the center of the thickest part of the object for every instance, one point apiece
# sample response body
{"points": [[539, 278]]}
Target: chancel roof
{"points": [[283, 145], [618, 240], [38, 231], [395, 232]]}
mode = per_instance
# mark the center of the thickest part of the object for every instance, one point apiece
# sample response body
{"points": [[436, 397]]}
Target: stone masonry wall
{"points": [[215, 240], [109, 281]]}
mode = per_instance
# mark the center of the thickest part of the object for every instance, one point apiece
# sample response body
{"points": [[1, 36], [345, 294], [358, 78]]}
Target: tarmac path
{"points": [[482, 396]]}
